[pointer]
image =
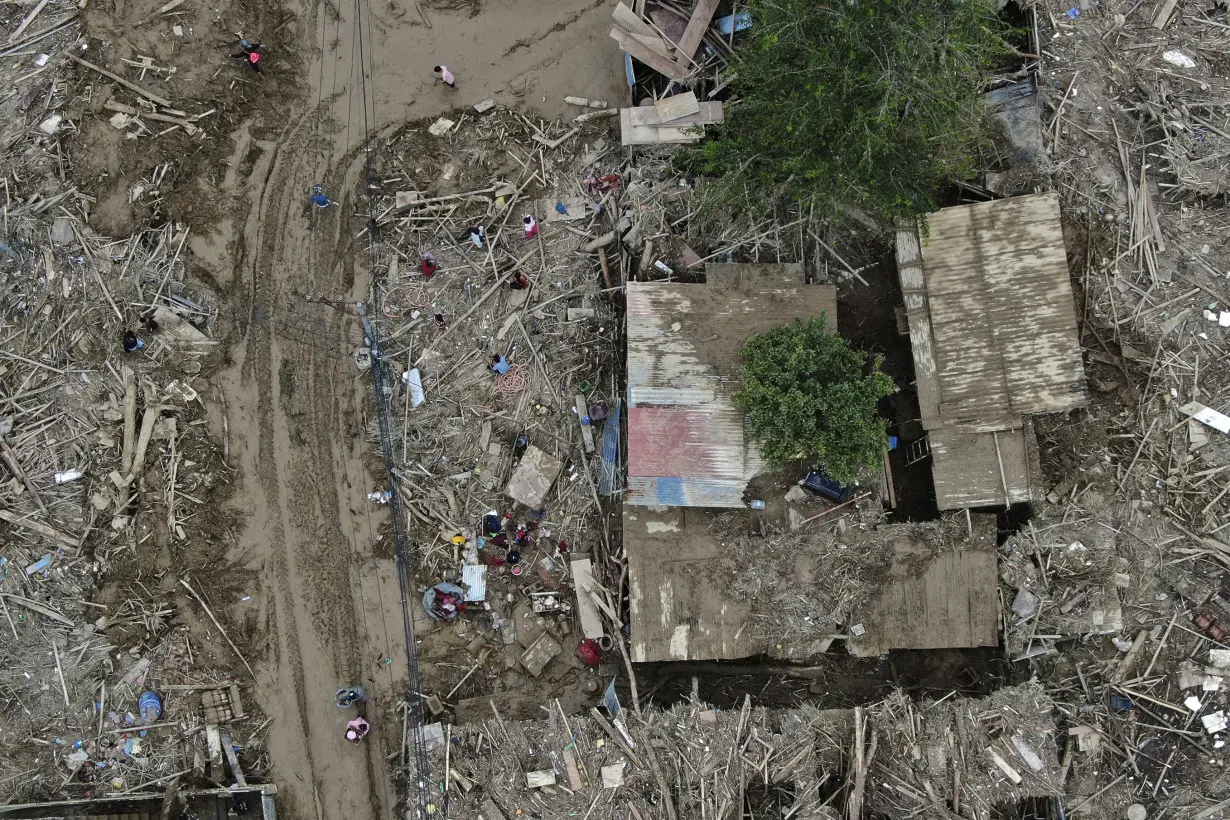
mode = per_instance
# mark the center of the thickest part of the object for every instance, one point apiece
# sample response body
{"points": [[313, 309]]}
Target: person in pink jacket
{"points": [[442, 73]]}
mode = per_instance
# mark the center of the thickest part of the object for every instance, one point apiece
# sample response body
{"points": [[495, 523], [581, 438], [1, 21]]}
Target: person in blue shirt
{"points": [[499, 364], [319, 199]]}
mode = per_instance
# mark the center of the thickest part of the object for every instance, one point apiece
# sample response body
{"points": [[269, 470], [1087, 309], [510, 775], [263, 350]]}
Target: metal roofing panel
{"points": [[698, 442], [676, 491], [1001, 312], [683, 342]]}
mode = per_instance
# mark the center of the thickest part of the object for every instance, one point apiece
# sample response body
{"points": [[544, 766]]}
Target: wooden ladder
{"points": [[917, 450]]}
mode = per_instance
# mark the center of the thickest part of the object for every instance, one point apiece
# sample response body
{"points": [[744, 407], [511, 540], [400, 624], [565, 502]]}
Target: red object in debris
{"points": [[563, 546], [589, 652], [1207, 623]]}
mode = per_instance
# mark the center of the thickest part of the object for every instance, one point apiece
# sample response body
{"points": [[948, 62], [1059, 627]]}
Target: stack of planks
{"points": [[670, 119], [647, 43]]}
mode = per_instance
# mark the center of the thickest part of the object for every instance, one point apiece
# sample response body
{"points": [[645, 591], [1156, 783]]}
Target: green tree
{"points": [[809, 394], [874, 104]]}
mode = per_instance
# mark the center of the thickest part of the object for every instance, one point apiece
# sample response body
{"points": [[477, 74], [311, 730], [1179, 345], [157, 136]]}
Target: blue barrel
{"points": [[149, 706]]}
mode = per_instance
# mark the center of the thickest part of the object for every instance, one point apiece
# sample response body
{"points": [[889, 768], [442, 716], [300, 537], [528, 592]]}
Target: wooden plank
{"points": [[647, 115], [39, 527], [652, 42], [679, 136], [678, 106], [692, 35], [632, 22], [228, 749], [576, 207], [1163, 14], [640, 52], [587, 430], [587, 608]]}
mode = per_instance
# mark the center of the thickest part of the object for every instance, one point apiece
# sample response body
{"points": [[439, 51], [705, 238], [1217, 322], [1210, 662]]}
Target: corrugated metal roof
{"points": [[705, 441], [685, 437], [676, 491], [1002, 314], [993, 332]]}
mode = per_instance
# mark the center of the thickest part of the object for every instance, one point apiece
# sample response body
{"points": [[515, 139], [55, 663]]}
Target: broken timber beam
{"points": [[149, 95], [695, 32], [587, 430], [640, 51]]}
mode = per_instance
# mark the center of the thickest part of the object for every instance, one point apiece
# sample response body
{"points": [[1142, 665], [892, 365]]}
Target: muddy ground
{"points": [[297, 533]]}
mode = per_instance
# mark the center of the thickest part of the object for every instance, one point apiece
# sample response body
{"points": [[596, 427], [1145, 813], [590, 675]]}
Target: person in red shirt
{"points": [[428, 266], [251, 54]]}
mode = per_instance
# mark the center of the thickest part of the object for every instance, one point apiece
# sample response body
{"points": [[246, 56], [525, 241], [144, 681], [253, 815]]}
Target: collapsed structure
{"points": [[687, 449], [895, 758]]}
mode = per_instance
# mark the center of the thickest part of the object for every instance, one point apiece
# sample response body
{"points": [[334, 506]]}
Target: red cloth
{"points": [[589, 652], [254, 56]]}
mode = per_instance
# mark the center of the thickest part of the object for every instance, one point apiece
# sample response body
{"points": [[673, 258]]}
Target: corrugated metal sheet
{"points": [[993, 332], [685, 491], [705, 442], [1002, 314], [685, 437]]}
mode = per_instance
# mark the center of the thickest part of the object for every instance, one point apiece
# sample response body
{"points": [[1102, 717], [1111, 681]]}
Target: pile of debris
{"points": [[496, 292], [106, 464], [896, 758]]}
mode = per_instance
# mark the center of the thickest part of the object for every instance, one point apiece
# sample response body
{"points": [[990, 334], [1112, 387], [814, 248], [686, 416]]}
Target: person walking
{"points": [[350, 696], [531, 226], [357, 729], [251, 54], [318, 197], [444, 75], [132, 342]]}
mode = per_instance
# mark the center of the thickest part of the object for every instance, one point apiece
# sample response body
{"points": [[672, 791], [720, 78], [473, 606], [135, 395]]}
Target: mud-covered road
{"points": [[294, 396]]}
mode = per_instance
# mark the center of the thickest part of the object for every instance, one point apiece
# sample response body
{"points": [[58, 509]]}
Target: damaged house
{"points": [[993, 331]]}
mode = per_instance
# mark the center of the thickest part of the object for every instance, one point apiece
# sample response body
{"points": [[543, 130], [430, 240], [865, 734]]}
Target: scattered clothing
{"points": [[492, 523], [357, 729], [428, 266], [560, 208], [499, 364], [603, 184], [444, 601], [440, 323], [442, 73], [531, 226], [132, 342], [478, 235]]}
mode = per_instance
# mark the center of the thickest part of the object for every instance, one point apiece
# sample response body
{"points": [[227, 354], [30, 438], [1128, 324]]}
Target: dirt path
{"points": [[330, 608]]}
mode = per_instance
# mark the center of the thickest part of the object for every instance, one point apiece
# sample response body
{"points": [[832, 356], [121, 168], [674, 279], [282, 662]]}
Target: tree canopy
{"points": [[874, 104], [809, 394]]}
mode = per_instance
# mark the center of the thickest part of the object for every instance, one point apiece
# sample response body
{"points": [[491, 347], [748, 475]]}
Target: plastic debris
{"points": [[1178, 58]]}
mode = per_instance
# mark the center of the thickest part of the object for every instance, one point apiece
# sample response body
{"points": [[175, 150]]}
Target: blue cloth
{"points": [[501, 366], [320, 200]]}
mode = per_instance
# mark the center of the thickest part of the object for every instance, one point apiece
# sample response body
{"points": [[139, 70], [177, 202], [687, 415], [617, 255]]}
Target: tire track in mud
{"points": [[295, 417]]}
